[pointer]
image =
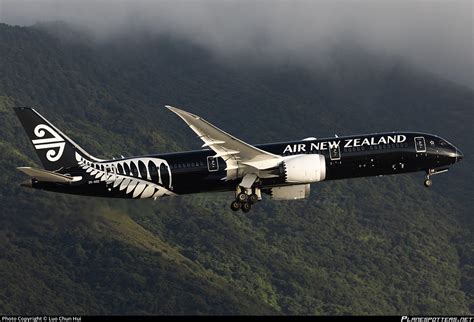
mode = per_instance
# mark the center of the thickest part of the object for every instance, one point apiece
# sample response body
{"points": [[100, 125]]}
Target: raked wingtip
{"points": [[174, 109], [182, 113]]}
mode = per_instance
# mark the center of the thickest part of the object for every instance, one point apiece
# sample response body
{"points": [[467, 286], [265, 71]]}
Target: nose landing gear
{"points": [[428, 182], [431, 172]]}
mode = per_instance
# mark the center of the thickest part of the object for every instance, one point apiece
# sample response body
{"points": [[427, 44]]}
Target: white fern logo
{"points": [[54, 143], [137, 185]]}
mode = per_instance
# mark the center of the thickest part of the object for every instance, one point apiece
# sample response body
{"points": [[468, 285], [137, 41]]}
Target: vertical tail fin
{"points": [[55, 150]]}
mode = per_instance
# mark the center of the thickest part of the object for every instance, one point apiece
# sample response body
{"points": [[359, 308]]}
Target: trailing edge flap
{"points": [[46, 176], [225, 145]]}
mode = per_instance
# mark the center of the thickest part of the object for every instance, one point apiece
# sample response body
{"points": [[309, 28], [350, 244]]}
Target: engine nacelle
{"points": [[303, 168], [299, 191]]}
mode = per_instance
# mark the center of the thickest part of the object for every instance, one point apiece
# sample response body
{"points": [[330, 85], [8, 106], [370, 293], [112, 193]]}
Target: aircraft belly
{"points": [[201, 181], [372, 164]]}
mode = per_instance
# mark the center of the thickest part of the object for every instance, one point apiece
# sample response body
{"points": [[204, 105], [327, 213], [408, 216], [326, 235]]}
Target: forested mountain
{"points": [[365, 246]]}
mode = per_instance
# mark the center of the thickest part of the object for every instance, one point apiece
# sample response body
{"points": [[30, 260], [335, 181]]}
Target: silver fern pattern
{"points": [[140, 177]]}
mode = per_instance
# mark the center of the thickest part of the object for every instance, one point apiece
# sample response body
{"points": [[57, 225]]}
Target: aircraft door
{"points": [[212, 164], [420, 144], [335, 153]]}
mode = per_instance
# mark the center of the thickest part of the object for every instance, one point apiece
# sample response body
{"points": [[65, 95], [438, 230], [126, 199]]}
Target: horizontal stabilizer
{"points": [[46, 176]]}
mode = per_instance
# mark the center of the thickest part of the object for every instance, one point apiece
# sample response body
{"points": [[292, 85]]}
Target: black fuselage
{"points": [[198, 171]]}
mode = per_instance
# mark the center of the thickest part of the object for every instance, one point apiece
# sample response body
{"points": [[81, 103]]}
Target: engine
{"points": [[299, 191], [305, 168]]}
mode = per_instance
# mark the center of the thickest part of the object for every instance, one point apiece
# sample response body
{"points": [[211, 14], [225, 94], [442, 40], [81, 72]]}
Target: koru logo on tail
{"points": [[54, 142]]}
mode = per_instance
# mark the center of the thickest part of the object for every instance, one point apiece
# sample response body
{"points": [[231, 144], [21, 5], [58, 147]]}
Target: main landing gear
{"points": [[431, 172], [245, 198]]}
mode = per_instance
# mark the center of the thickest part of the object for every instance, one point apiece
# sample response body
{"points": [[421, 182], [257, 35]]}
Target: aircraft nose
{"points": [[459, 155]]}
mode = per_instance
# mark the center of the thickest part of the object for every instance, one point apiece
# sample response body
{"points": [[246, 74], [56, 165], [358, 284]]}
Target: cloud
{"points": [[435, 35]]}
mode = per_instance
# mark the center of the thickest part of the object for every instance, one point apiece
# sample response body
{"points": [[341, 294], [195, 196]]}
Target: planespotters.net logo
{"points": [[437, 319]]}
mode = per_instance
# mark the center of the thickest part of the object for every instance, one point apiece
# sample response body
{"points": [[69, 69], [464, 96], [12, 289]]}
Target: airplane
{"points": [[283, 170]]}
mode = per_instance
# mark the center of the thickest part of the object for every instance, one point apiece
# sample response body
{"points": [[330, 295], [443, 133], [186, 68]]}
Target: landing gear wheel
{"points": [[253, 198], [246, 207], [428, 183], [242, 197], [235, 205]]}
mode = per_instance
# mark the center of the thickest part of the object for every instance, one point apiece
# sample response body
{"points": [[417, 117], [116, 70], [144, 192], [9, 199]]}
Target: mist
{"points": [[433, 35]]}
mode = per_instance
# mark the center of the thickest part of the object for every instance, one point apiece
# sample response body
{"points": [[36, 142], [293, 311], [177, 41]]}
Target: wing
{"points": [[47, 176], [240, 157]]}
